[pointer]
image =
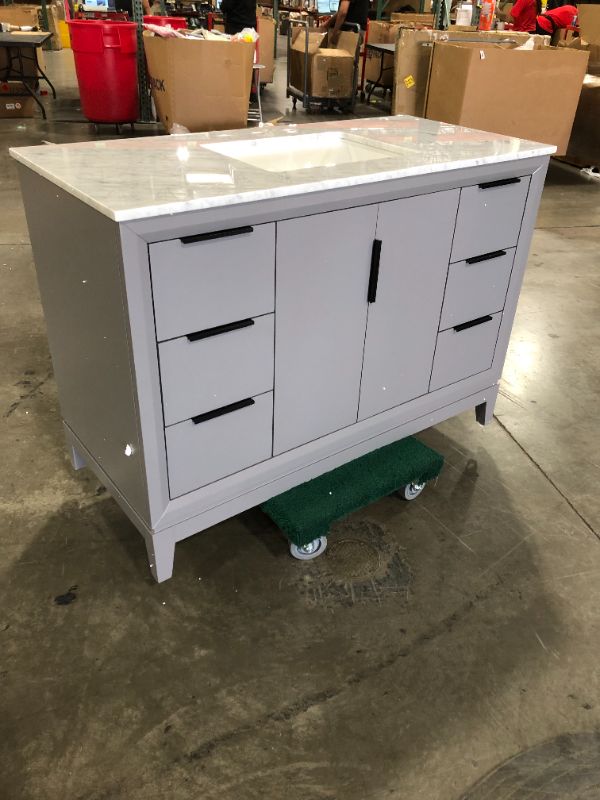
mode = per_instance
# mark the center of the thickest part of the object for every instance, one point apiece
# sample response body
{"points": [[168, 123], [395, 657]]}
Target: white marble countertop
{"points": [[130, 179]]}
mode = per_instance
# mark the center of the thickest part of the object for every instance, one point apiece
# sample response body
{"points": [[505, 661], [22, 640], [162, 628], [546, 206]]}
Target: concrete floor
{"points": [[433, 642]]}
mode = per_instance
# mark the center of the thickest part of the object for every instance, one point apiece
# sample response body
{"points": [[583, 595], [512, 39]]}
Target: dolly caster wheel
{"points": [[306, 552], [411, 491]]}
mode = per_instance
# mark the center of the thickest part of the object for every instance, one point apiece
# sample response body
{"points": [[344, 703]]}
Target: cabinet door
{"points": [[322, 276], [416, 239]]}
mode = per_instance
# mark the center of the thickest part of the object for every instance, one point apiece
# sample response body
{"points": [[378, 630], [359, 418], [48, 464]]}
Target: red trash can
{"points": [[106, 65], [174, 22]]}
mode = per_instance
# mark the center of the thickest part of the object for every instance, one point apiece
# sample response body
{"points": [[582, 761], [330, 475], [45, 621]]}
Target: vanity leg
{"points": [[76, 459], [161, 554], [484, 412]]}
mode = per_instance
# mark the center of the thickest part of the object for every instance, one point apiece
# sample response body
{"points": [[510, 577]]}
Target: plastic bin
{"points": [[106, 65], [174, 22]]}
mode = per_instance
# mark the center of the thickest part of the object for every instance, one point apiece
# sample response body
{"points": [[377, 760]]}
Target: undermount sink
{"points": [[304, 151]]}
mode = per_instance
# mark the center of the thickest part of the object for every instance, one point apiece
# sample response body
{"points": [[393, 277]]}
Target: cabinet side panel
{"points": [[79, 269]]}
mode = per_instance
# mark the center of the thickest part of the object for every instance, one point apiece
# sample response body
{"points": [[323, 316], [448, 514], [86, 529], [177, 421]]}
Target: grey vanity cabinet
{"points": [[211, 358]]}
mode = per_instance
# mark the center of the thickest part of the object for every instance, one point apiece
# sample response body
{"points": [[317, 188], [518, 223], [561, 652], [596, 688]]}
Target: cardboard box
{"points": [[589, 23], [200, 85], [21, 14], [17, 14], [55, 14], [393, 6], [381, 32], [412, 62], [413, 19], [589, 29], [266, 47], [330, 70], [584, 144], [12, 104], [532, 94]]}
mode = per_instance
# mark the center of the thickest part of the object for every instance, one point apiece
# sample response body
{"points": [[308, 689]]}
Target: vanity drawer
{"points": [[200, 282], [210, 447], [465, 350], [216, 367], [489, 217], [476, 286]]}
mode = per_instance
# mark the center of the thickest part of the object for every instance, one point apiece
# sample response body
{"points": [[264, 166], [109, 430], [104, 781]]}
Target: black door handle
{"points": [[485, 257], [472, 323], [205, 237], [501, 182], [374, 273], [219, 412], [230, 326]]}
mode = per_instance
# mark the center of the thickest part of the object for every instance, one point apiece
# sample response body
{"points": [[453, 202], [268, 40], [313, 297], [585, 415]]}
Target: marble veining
{"points": [[130, 179]]}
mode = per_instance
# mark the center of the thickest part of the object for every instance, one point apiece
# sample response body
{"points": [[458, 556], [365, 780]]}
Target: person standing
{"points": [[524, 13], [238, 14], [354, 11]]}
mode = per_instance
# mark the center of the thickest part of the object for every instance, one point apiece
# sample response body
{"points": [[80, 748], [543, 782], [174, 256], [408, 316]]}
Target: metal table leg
{"points": [[15, 54], [376, 83], [42, 73]]}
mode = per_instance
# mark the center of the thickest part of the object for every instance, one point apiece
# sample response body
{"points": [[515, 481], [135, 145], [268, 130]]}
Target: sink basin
{"points": [[306, 151]]}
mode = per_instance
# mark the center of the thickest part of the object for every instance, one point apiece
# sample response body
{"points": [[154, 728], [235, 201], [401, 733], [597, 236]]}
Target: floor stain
{"points": [[362, 564], [67, 598], [567, 767]]}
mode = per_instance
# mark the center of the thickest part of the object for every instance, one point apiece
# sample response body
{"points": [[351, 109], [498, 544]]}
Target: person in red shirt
{"points": [[524, 14], [551, 21]]}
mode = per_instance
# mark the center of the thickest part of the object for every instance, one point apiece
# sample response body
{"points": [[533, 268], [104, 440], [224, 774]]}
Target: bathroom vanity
{"points": [[231, 314]]}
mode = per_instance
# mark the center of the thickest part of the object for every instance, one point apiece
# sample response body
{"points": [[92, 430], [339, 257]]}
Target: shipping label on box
{"points": [[16, 107]]}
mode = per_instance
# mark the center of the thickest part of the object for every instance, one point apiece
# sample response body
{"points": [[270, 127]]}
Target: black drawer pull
{"points": [[205, 237], [219, 412], [486, 257], [501, 182], [472, 323], [374, 273], [231, 326]]}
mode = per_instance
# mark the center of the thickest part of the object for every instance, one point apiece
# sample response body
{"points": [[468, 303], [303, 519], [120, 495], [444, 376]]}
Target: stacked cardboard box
{"points": [[381, 33], [266, 47], [532, 94], [13, 104], [424, 20], [330, 70], [30, 15], [20, 14], [584, 145], [412, 63], [589, 28]]}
